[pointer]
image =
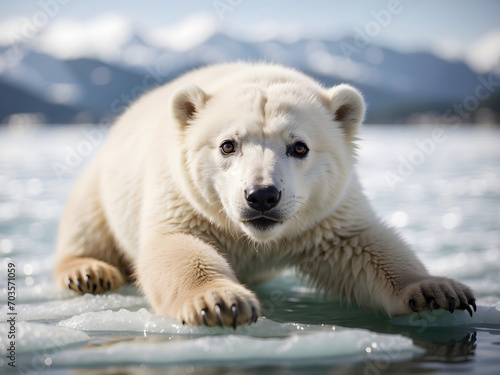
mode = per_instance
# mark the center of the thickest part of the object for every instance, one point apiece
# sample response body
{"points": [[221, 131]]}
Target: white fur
{"points": [[163, 200]]}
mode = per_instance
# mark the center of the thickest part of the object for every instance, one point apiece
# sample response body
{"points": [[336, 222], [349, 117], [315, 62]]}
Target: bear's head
{"points": [[268, 153]]}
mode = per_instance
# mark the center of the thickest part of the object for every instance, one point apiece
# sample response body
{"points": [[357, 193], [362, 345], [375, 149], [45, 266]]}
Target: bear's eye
{"points": [[298, 150], [227, 147]]}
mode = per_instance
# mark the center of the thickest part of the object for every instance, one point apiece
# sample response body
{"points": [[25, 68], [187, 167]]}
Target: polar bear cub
{"points": [[225, 176]]}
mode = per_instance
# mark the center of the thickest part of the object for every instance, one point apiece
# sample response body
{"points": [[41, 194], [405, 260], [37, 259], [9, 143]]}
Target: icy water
{"points": [[440, 187]]}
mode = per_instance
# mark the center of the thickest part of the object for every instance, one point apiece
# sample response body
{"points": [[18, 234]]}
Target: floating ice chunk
{"points": [[485, 315], [349, 345], [55, 310], [143, 321], [123, 320], [31, 337], [265, 341]]}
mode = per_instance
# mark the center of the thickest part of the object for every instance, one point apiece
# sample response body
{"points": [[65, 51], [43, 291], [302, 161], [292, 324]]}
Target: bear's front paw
{"points": [[223, 304], [87, 275], [439, 292]]}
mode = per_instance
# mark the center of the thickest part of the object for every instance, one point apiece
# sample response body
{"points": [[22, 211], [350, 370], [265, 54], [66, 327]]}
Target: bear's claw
{"points": [[472, 302], [440, 292], [234, 309], [412, 305], [452, 305], [255, 316], [219, 315], [467, 307], [432, 302], [203, 314]]}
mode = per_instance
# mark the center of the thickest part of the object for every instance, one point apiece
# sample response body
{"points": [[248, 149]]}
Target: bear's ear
{"points": [[347, 106], [186, 102]]}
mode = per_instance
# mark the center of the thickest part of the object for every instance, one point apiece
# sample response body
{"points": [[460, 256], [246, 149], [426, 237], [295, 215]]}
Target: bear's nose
{"points": [[263, 198]]}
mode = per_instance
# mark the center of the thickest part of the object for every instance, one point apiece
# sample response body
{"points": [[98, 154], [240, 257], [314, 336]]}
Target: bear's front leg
{"points": [[186, 278], [377, 269]]}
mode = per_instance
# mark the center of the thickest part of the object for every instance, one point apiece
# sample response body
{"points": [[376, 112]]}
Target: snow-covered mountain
{"points": [[82, 72]]}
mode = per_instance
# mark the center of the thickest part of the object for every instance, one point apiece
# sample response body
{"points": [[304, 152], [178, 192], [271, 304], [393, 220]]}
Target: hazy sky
{"points": [[413, 25]]}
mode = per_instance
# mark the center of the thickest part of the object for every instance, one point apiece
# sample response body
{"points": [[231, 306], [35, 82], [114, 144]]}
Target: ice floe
{"points": [[36, 337], [308, 346], [54, 310]]}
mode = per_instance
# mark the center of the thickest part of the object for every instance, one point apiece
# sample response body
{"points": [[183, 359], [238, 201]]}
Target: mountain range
{"points": [[398, 87]]}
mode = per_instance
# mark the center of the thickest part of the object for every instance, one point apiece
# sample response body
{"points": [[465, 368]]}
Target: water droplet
{"points": [[28, 269], [492, 255], [451, 220]]}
